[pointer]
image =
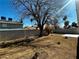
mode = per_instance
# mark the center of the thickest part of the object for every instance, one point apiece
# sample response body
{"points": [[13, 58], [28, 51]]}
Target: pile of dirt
{"points": [[17, 42], [47, 47]]}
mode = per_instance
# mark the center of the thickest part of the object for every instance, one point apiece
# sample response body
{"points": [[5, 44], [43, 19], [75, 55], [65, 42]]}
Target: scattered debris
{"points": [[35, 55]]}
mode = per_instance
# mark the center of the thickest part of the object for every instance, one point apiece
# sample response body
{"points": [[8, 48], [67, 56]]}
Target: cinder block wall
{"points": [[67, 31], [16, 34]]}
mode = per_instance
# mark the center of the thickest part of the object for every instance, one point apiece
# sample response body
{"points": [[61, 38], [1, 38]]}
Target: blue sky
{"points": [[70, 11], [7, 11]]}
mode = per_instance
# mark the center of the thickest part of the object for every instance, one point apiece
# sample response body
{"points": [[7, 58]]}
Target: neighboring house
{"points": [[9, 24]]}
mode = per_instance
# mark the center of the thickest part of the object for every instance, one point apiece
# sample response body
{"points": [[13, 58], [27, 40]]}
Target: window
{"points": [[4, 25]]}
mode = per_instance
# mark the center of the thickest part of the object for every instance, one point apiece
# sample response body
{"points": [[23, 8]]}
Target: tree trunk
{"points": [[41, 31]]}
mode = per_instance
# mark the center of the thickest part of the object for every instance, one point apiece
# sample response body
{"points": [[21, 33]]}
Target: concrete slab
{"points": [[71, 35]]}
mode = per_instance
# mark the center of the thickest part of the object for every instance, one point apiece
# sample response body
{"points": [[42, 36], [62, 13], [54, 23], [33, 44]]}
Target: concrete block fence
{"points": [[16, 34]]}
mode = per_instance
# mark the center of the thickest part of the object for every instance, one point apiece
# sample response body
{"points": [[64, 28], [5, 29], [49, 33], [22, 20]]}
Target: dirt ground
{"points": [[48, 47]]}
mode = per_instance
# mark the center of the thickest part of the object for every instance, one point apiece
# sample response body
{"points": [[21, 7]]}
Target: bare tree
{"points": [[39, 10]]}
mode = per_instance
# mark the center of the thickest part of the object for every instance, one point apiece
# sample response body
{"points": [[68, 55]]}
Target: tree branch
{"points": [[24, 5]]}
